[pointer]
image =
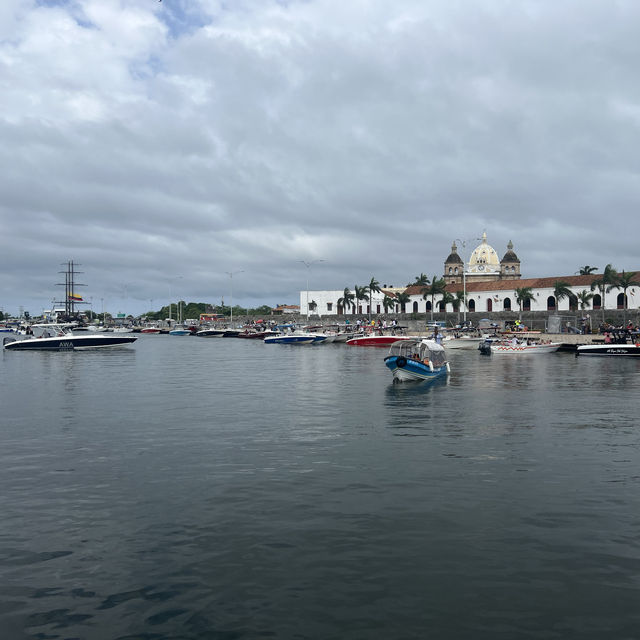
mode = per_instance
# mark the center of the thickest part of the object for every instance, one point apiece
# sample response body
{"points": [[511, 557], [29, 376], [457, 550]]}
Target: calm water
{"points": [[223, 489]]}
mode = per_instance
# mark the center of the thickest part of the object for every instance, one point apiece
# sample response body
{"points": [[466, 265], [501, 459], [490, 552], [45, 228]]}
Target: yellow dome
{"points": [[484, 257]]}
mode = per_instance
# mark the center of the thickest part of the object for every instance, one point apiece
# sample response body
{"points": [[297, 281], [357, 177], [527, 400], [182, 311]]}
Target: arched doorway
{"points": [[471, 305], [597, 301], [551, 303], [415, 307], [489, 304], [620, 301], [507, 304]]}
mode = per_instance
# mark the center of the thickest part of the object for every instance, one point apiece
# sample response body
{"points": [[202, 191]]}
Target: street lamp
{"points": [[464, 277], [308, 265], [231, 274]]}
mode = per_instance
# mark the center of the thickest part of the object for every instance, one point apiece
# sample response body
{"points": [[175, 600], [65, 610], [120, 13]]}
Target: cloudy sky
{"points": [[164, 145]]}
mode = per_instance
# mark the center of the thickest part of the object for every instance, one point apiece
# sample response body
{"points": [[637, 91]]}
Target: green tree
{"points": [[361, 293], [561, 291], [458, 302], [346, 300], [585, 297], [436, 287], [403, 300], [447, 298], [626, 280], [422, 281], [374, 287], [388, 303], [587, 270], [523, 294], [605, 283]]}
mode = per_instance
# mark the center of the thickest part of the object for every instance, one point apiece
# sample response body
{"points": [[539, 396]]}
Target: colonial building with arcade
{"points": [[487, 283]]}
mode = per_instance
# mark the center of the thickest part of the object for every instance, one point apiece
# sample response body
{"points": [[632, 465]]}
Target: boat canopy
{"points": [[420, 349]]}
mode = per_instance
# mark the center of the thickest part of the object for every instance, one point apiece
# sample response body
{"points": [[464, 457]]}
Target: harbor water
{"points": [[189, 488]]}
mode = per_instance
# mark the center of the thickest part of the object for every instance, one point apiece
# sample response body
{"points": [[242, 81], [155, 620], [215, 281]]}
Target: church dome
{"points": [[484, 257], [453, 258], [510, 256]]}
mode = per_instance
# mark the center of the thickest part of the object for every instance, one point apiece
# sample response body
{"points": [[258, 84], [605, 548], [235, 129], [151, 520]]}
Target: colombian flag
{"points": [[76, 297]]}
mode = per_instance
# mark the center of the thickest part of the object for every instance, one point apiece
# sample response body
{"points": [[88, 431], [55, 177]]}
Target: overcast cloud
{"points": [[164, 144]]}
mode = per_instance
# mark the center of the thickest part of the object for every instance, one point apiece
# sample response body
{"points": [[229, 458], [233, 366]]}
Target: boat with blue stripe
{"points": [[417, 359]]}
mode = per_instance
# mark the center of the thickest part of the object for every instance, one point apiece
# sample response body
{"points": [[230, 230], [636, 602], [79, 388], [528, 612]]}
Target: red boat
{"points": [[375, 341]]}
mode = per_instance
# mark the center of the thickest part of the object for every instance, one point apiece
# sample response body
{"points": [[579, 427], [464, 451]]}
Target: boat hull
{"points": [[524, 349], [69, 343], [375, 341], [609, 350], [289, 340]]}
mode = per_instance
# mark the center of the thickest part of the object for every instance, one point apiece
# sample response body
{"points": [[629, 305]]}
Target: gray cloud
{"points": [[151, 140]]}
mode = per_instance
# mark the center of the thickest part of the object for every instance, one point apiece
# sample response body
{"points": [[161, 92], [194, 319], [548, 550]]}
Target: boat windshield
{"points": [[420, 350]]}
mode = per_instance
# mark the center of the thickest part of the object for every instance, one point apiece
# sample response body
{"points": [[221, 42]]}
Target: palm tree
{"points": [[346, 300], [447, 298], [403, 299], [626, 280], [374, 287], [362, 293], [585, 298], [458, 301], [388, 303], [523, 294], [561, 290], [587, 270], [605, 283], [422, 280], [436, 287]]}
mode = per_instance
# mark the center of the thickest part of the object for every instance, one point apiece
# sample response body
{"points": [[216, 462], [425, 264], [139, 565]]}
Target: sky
{"points": [[245, 149]]}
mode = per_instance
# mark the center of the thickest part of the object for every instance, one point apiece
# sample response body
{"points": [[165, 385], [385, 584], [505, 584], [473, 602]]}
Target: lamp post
{"points": [[308, 265], [231, 274], [464, 278]]}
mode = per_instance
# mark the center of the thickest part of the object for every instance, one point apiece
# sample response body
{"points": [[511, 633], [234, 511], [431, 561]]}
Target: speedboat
{"points": [[621, 343], [517, 347], [290, 338], [417, 359], [58, 337], [371, 340], [210, 333], [179, 331]]}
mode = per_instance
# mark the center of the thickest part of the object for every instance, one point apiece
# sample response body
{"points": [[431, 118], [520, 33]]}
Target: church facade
{"points": [[483, 266], [488, 283]]}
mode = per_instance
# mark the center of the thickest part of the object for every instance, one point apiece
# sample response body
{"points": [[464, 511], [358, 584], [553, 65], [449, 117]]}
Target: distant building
{"points": [[483, 266], [490, 284], [285, 309]]}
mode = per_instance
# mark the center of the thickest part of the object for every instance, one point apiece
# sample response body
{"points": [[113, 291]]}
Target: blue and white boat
{"points": [[417, 359], [290, 338]]}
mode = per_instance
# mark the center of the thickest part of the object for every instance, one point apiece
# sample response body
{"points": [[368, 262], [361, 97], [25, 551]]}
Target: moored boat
{"points": [[518, 347], [618, 343], [372, 340], [417, 359], [290, 338], [58, 337]]}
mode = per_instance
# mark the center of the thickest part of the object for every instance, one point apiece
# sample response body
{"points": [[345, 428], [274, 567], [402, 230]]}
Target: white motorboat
{"points": [[291, 338], [58, 337], [618, 342], [518, 347]]}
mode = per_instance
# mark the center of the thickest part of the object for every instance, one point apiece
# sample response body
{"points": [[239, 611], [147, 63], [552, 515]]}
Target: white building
{"points": [[482, 294]]}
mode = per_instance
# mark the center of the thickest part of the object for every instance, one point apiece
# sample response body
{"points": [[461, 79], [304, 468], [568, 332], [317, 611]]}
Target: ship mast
{"points": [[71, 296]]}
